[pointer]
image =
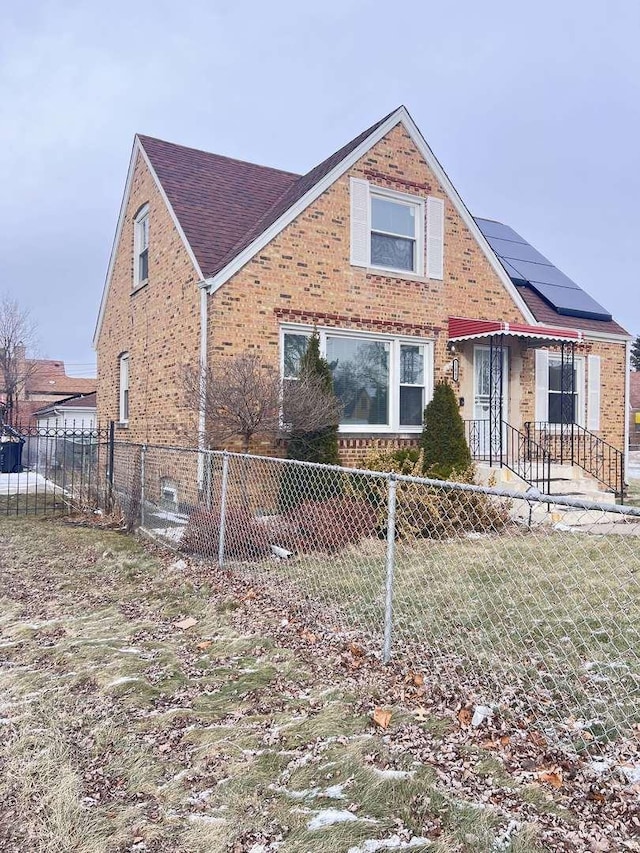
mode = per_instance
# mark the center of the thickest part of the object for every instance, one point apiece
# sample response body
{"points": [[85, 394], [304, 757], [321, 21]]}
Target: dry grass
{"points": [[120, 732]]}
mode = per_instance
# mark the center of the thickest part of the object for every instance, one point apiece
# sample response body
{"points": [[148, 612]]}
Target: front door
{"points": [[482, 397]]}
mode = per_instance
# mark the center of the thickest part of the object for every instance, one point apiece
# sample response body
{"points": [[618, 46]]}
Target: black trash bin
{"points": [[11, 456]]}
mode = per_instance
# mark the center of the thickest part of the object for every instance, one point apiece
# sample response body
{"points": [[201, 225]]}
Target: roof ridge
{"points": [[143, 136]]}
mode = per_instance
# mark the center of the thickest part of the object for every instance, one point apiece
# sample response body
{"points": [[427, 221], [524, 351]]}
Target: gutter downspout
{"points": [[627, 402], [204, 294]]}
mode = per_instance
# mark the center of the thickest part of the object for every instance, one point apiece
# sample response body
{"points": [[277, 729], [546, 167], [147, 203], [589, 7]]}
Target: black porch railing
{"points": [[572, 444], [516, 451], [526, 458]]}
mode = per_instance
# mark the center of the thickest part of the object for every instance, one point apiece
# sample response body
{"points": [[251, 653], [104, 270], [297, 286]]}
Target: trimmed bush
{"points": [[245, 538], [328, 526], [444, 446]]}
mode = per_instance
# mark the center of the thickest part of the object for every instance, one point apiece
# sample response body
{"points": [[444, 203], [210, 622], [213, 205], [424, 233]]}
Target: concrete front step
{"points": [[566, 481]]}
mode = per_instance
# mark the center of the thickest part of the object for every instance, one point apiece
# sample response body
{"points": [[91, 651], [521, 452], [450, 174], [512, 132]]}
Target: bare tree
{"points": [[17, 335], [244, 398]]}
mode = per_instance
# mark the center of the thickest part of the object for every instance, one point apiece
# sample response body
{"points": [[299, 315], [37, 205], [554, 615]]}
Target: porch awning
{"points": [[462, 329]]}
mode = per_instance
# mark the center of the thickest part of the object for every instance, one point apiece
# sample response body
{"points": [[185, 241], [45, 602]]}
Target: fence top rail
{"points": [[531, 495]]}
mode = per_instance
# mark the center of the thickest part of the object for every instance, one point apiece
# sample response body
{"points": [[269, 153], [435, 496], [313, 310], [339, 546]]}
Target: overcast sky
{"points": [[533, 110]]}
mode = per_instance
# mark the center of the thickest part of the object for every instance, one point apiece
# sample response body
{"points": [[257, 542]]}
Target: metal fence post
{"points": [[223, 506], [143, 456], [390, 563]]}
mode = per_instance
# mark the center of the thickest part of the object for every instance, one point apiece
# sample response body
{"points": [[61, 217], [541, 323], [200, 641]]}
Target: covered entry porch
{"points": [[523, 396]]}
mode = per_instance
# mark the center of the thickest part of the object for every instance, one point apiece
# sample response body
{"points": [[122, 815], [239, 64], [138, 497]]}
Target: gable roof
{"points": [[217, 200], [226, 210], [76, 401], [48, 376]]}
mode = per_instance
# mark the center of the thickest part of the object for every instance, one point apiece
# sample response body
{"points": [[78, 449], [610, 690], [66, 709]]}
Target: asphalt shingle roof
{"points": [[224, 204]]}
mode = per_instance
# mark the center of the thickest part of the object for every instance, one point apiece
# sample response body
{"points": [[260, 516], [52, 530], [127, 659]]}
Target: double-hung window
{"points": [[124, 388], [395, 233], [383, 383], [141, 247]]}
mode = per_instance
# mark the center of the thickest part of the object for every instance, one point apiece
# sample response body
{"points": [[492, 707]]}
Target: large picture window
{"points": [[383, 383]]}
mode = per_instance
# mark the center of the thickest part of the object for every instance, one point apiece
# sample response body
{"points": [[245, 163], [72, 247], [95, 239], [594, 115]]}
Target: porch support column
{"points": [[496, 384], [567, 399]]}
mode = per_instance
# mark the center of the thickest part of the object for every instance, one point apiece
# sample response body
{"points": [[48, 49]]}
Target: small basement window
{"points": [[168, 495]]}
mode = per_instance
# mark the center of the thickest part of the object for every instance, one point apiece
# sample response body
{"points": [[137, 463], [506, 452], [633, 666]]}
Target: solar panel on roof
{"points": [[544, 273], [572, 302], [525, 265], [496, 229], [516, 251], [512, 272]]}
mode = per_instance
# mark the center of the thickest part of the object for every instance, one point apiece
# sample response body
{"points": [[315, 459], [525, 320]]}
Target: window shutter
{"points": [[593, 395], [360, 228], [435, 238], [542, 385]]}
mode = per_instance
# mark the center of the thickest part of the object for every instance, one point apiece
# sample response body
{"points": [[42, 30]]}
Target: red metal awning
{"points": [[462, 329]]}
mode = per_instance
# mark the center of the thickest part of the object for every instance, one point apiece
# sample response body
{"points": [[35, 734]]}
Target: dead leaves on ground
{"points": [[382, 717]]}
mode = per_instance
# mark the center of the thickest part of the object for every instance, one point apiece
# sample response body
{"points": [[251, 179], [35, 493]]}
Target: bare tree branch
{"points": [[17, 335], [244, 398]]}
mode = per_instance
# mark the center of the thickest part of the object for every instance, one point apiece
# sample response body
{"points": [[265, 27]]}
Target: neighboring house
{"points": [[77, 412], [634, 406], [375, 248], [46, 382]]}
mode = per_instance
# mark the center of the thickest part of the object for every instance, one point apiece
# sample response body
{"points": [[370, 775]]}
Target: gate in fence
{"points": [[48, 470]]}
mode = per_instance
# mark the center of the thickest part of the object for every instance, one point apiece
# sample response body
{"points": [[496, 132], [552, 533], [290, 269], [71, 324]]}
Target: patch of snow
{"points": [[27, 482], [599, 767], [394, 842], [503, 842], [205, 818], [336, 792], [178, 566], [130, 650], [480, 714], [632, 773], [125, 679], [394, 774], [174, 534], [200, 797], [327, 817]]}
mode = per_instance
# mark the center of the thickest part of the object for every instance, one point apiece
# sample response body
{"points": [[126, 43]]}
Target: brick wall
{"points": [[303, 276], [158, 325]]}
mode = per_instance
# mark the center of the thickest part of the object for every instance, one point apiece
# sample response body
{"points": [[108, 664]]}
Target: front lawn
{"points": [[125, 728]]}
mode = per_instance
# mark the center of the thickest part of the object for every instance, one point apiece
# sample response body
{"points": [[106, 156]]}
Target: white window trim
{"points": [[141, 216], [402, 198], [556, 358], [123, 363], [394, 371]]}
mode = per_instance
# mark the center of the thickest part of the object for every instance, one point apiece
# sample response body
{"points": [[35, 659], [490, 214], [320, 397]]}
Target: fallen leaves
{"points": [[464, 716], [382, 718], [551, 777]]}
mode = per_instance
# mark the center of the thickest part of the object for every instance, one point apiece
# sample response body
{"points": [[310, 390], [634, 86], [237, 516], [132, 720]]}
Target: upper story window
{"points": [[396, 232], [141, 247], [123, 407]]}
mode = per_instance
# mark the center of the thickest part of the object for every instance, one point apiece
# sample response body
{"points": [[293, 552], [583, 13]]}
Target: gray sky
{"points": [[533, 109]]}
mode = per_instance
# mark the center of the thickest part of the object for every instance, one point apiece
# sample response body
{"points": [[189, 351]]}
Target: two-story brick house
{"points": [[373, 247]]}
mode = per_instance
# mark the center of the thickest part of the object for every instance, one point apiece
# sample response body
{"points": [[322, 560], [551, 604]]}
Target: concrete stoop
{"points": [[567, 481]]}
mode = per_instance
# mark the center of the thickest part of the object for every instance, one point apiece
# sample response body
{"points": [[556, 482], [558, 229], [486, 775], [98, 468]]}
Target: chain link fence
{"points": [[520, 602]]}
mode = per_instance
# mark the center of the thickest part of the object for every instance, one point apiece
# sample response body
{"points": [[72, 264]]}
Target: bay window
{"points": [[383, 383]]}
